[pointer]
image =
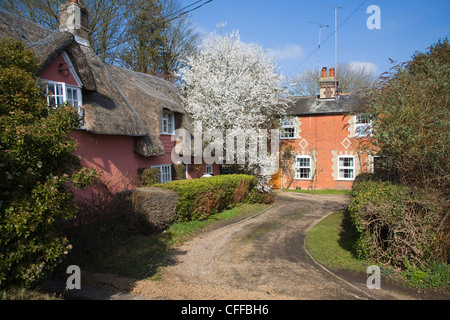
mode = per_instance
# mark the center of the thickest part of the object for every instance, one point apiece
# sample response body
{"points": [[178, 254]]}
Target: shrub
{"points": [[255, 196], [396, 224], [180, 171], [36, 166], [146, 210], [150, 176], [203, 197]]}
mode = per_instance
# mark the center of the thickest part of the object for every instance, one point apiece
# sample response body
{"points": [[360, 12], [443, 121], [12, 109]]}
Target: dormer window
{"points": [[59, 92], [167, 122]]}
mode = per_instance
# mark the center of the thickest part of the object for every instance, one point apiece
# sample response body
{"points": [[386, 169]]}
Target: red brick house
{"points": [[324, 141], [129, 118]]}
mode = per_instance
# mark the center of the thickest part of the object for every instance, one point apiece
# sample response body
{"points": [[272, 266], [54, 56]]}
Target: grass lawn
{"points": [[330, 243]]}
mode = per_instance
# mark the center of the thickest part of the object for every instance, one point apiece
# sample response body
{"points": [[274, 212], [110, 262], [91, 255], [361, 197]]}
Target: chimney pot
{"points": [[332, 73], [324, 72]]}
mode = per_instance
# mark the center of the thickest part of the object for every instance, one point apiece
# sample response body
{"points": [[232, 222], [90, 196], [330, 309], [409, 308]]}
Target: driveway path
{"points": [[260, 258]]}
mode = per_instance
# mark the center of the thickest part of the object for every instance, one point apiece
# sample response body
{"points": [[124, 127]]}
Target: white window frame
{"points": [[363, 126], [166, 172], [351, 168], [299, 167], [288, 124], [62, 96], [167, 122], [209, 169]]}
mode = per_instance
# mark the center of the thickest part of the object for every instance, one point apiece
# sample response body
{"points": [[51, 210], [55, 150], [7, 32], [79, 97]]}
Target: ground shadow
{"points": [[348, 234]]}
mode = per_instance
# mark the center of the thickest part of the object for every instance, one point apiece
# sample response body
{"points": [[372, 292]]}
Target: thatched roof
{"points": [[315, 106], [116, 101]]}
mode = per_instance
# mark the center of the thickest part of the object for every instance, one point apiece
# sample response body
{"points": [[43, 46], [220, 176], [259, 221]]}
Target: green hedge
{"points": [[396, 224], [200, 198]]}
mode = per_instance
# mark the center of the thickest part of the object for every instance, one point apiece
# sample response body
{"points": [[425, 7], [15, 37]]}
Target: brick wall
{"points": [[325, 138]]}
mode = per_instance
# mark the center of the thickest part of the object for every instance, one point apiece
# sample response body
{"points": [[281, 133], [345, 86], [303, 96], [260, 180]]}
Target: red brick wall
{"points": [[324, 138]]}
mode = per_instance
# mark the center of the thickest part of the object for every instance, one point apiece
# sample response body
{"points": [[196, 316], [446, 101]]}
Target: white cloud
{"points": [[364, 66], [288, 52]]}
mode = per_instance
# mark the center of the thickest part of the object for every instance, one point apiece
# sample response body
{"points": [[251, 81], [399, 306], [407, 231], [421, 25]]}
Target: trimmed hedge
{"points": [[147, 210], [396, 224], [200, 198]]}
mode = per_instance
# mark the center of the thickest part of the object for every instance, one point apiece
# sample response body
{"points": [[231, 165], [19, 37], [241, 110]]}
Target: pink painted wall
{"points": [[115, 157], [52, 72]]}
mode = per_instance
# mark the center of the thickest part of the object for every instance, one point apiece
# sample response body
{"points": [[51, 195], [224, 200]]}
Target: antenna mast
{"points": [[335, 44], [320, 39]]}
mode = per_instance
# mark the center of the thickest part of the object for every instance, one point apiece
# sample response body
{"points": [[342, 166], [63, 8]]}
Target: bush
{"points": [[150, 176], [146, 210], [397, 225], [203, 197], [37, 166], [255, 196], [180, 171]]}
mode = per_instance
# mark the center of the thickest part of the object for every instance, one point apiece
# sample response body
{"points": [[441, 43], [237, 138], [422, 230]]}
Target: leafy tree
{"points": [[158, 38], [36, 166], [146, 31], [411, 111]]}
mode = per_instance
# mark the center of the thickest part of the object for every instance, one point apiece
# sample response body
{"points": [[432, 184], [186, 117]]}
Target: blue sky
{"points": [[281, 26]]}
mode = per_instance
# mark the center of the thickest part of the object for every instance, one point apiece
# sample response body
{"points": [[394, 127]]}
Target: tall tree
{"points": [[159, 38], [182, 40], [147, 37], [411, 112]]}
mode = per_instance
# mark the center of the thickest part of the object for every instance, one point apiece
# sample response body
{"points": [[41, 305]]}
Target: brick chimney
{"points": [[74, 18], [328, 84]]}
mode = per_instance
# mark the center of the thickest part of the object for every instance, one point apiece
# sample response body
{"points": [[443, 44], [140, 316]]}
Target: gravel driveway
{"points": [[259, 258]]}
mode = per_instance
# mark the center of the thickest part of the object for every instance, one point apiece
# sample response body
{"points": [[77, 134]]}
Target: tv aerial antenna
{"points": [[335, 41], [320, 38]]}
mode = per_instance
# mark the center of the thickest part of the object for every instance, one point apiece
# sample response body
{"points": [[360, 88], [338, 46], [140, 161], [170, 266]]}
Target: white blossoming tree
{"points": [[233, 89]]}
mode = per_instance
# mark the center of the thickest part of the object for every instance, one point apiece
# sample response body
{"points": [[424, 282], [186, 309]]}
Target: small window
{"points": [[209, 169], [166, 173], [346, 168], [55, 94], [58, 93], [363, 126], [303, 168], [168, 122], [287, 129]]}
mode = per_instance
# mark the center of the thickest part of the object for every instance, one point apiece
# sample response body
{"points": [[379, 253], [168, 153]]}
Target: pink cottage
{"points": [[128, 117]]}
